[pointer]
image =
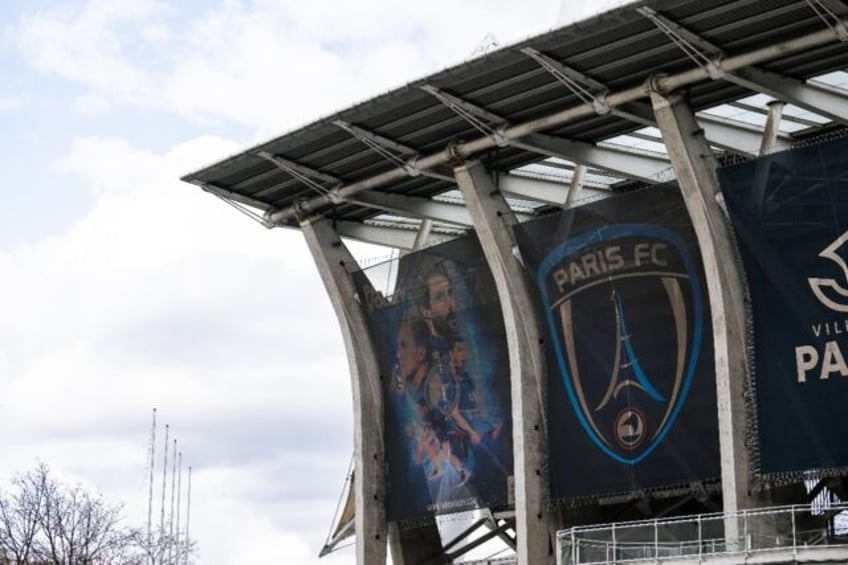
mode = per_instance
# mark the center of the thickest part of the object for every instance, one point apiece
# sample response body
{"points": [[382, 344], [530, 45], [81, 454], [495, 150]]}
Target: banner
{"points": [[444, 360], [790, 214], [631, 387]]}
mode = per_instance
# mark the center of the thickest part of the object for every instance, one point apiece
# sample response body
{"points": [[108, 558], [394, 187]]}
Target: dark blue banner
{"points": [[631, 399], [443, 358], [790, 214]]}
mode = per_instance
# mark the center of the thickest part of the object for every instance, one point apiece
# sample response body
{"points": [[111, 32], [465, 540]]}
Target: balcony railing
{"points": [[703, 536]]}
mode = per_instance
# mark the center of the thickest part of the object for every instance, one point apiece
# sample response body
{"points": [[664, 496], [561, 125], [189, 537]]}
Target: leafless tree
{"points": [[43, 521], [77, 526], [161, 548], [20, 515]]}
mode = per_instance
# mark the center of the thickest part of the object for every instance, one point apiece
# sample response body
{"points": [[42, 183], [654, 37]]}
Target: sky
{"points": [[124, 289]]}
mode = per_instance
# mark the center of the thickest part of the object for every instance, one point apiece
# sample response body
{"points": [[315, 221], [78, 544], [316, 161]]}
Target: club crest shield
{"points": [[625, 308]]}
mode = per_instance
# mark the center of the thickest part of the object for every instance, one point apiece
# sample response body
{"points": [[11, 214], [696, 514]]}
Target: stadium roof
{"points": [[573, 99]]}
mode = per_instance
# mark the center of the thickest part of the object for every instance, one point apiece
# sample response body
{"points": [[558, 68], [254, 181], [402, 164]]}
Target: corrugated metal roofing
{"points": [[620, 49]]}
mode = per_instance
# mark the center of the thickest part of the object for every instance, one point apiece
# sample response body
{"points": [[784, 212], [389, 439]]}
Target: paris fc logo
{"points": [[625, 307]]}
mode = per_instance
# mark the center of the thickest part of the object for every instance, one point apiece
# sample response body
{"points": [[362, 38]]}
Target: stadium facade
{"points": [[618, 326]]}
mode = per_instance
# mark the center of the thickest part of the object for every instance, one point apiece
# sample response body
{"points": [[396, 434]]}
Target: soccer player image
{"points": [[436, 302]]}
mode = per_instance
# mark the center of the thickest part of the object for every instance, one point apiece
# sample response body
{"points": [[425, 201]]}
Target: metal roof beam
{"points": [[308, 176], [545, 191], [583, 86], [289, 166], [414, 207], [394, 152], [645, 137], [627, 164], [736, 136], [230, 195], [571, 113], [705, 54], [486, 122], [386, 236], [720, 133], [727, 134], [764, 112], [590, 90], [461, 106], [253, 209], [363, 134], [817, 99], [832, 13]]}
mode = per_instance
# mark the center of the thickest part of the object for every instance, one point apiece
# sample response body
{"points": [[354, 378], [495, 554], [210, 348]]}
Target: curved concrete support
{"points": [[492, 220], [335, 263], [695, 169]]}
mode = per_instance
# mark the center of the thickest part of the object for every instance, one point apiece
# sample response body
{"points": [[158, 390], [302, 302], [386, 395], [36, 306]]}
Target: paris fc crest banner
{"points": [[441, 346], [789, 211], [631, 387]]}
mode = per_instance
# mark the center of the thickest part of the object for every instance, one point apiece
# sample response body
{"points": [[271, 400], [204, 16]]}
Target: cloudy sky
{"points": [[124, 289]]}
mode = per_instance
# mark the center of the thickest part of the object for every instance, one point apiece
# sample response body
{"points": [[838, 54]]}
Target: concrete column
{"points": [[492, 220], [772, 128], [759, 182], [335, 263], [576, 186], [695, 168], [423, 234]]}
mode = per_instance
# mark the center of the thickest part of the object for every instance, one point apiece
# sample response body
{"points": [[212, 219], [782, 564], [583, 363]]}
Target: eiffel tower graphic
{"points": [[627, 371]]}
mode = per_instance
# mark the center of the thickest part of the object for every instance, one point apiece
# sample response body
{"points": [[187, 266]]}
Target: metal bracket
{"points": [[595, 94], [390, 150], [230, 199], [656, 83], [303, 174], [701, 51], [454, 152], [385, 147], [832, 13], [301, 210], [484, 121]]}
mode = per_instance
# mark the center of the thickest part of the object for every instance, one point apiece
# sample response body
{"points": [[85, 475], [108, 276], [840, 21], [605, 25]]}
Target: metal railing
{"points": [[704, 535]]}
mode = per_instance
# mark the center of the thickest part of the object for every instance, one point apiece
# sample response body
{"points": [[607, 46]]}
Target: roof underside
{"points": [[617, 50]]}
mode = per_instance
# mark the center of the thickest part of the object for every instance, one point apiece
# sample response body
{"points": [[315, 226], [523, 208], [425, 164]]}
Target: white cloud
{"points": [[270, 65], [91, 105], [577, 10], [11, 103], [162, 296], [87, 45]]}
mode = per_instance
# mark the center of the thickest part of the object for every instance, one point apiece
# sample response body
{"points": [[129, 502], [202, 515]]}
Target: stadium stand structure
{"points": [[655, 92]]}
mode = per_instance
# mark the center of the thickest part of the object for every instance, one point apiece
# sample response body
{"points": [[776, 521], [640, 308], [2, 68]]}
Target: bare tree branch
{"points": [[43, 521]]}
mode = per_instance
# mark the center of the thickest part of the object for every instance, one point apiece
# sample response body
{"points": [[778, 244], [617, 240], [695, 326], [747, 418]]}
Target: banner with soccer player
{"points": [[789, 211], [631, 386], [443, 356]]}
